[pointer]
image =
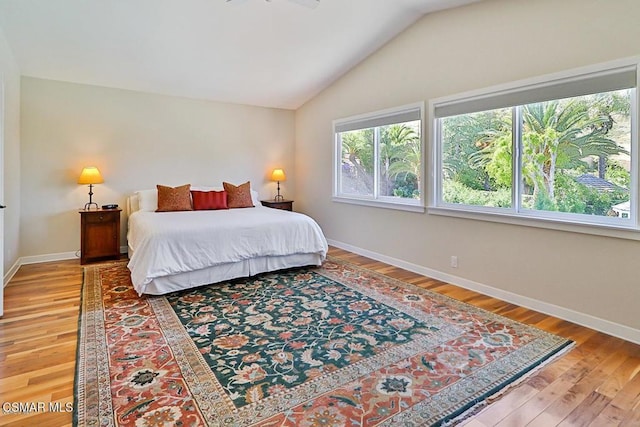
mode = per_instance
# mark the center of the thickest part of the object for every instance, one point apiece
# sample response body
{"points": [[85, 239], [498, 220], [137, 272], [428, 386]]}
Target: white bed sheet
{"points": [[166, 244]]}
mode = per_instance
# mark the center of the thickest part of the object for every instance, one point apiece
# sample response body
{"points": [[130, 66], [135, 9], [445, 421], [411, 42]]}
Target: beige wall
{"points": [[10, 156], [449, 52], [137, 140]]}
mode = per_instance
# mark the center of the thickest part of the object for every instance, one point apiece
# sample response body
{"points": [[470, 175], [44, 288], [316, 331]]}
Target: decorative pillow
{"points": [[148, 200], [174, 198], [255, 197], [209, 200], [238, 196]]}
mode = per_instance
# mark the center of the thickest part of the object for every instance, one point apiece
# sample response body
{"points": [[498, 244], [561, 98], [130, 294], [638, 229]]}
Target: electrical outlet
{"points": [[454, 261]]}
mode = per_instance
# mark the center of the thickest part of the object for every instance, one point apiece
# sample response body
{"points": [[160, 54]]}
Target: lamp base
{"points": [[278, 198], [87, 206]]}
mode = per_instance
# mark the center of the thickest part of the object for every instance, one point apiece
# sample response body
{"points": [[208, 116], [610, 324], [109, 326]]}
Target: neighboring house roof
{"points": [[622, 207], [598, 183]]}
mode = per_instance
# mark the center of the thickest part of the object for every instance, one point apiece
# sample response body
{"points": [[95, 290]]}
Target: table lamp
{"points": [[90, 175], [278, 175]]}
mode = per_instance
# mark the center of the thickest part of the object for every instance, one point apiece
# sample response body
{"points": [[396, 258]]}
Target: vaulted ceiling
{"points": [[271, 53]]}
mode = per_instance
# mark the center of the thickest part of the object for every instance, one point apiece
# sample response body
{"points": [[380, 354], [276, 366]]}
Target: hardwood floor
{"points": [[596, 384], [38, 342]]}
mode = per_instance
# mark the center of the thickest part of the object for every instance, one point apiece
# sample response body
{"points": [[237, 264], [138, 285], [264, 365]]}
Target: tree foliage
{"points": [[399, 154], [560, 140]]}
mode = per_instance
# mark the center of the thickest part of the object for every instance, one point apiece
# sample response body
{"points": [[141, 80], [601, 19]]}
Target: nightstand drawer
{"points": [[98, 217]]}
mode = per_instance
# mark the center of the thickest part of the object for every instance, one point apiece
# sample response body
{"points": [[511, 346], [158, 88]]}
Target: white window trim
{"points": [[411, 205], [516, 215]]}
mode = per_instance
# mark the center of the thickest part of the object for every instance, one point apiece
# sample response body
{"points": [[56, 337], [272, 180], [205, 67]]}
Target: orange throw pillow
{"points": [[174, 198], [238, 196]]}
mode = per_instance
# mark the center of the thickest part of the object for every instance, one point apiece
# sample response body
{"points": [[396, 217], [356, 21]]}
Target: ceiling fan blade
{"points": [[311, 4]]}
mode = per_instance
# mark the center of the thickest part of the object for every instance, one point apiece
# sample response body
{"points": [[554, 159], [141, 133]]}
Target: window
{"points": [[378, 159], [561, 148]]}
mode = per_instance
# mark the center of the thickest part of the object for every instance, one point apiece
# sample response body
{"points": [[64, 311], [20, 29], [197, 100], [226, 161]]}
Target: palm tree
{"points": [[400, 154], [471, 146], [560, 134], [556, 135]]}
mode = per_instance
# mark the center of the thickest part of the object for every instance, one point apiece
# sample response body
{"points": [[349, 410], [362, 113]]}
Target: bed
{"points": [[171, 251]]}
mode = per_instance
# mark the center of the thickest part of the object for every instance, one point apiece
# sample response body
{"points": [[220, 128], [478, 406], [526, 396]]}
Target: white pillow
{"points": [[132, 204], [255, 198], [148, 200]]}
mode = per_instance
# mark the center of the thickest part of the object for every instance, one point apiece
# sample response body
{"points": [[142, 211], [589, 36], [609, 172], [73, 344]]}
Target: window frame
{"points": [[516, 214], [405, 204]]}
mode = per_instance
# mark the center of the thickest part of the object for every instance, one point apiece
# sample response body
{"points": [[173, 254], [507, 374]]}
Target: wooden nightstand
{"points": [[285, 205], [99, 234]]}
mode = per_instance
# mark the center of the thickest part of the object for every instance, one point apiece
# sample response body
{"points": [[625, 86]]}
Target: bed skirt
{"points": [[228, 271]]}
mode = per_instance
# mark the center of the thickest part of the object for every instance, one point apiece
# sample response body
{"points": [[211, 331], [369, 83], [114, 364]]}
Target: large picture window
{"points": [[562, 148], [378, 158]]}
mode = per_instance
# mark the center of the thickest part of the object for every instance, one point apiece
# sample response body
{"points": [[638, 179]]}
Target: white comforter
{"points": [[167, 243]]}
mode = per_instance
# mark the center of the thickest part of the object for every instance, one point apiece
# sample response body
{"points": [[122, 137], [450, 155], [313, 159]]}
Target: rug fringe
{"points": [[482, 406]]}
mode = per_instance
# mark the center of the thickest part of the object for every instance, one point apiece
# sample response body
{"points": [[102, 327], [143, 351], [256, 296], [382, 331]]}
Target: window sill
{"points": [[381, 204], [630, 232]]}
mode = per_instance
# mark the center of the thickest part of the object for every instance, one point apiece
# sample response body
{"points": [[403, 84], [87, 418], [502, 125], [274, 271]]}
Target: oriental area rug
{"points": [[337, 345]]}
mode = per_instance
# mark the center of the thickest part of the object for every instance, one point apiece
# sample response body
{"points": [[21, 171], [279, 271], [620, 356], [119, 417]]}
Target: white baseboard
{"points": [[11, 272], [60, 256], [583, 319], [35, 259]]}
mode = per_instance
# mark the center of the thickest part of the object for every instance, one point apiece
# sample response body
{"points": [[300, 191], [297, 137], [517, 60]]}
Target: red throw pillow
{"points": [[209, 200]]}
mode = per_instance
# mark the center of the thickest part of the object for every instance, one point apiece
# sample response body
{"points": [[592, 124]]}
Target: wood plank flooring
{"points": [[595, 384]]}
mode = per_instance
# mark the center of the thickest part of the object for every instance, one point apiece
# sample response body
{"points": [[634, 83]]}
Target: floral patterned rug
{"points": [[337, 345]]}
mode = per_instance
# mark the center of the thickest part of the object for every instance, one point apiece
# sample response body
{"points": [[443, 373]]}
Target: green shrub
{"points": [[456, 192]]}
